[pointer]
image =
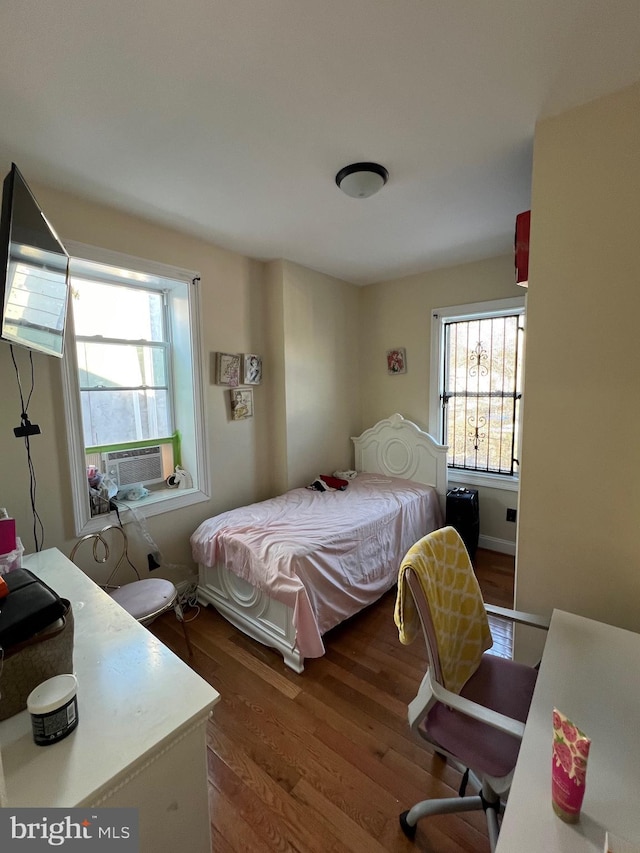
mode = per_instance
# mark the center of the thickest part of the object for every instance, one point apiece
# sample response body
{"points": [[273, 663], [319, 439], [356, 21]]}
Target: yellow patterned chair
{"points": [[471, 706]]}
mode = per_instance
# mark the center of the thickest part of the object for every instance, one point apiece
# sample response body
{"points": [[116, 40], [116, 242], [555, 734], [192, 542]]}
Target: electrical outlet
{"points": [[512, 514]]}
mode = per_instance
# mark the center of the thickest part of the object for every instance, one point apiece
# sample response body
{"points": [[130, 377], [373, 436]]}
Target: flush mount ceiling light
{"points": [[360, 180]]}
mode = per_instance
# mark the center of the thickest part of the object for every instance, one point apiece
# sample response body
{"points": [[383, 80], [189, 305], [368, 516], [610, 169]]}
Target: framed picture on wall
{"points": [[396, 361], [251, 368], [241, 404], [227, 368]]}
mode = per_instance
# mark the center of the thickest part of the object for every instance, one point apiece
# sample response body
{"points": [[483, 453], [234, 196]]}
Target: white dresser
{"points": [[140, 740]]}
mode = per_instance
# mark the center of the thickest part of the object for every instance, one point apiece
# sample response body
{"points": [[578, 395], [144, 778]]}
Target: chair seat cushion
{"points": [[500, 684], [145, 598]]}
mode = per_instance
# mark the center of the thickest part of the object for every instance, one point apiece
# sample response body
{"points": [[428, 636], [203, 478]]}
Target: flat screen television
{"points": [[34, 272]]}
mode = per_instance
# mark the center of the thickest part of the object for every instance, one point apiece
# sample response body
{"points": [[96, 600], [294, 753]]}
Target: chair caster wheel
{"points": [[409, 831]]}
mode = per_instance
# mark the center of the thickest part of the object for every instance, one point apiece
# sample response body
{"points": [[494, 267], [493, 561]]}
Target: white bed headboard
{"points": [[399, 448]]}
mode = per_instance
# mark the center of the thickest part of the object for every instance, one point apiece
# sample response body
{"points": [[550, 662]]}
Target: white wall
{"points": [[277, 424], [303, 417], [579, 533], [398, 314], [233, 312], [321, 373], [325, 373]]}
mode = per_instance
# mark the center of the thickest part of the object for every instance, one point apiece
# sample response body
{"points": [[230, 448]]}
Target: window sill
{"points": [[487, 481], [155, 503]]}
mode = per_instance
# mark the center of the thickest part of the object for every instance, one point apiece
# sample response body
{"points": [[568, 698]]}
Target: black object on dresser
{"points": [[463, 513]]}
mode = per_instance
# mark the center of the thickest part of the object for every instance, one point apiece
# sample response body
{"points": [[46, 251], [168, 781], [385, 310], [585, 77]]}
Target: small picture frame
{"points": [[251, 368], [241, 404], [227, 368], [396, 361]]}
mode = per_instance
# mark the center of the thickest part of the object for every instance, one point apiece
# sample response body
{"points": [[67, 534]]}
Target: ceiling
{"points": [[228, 119]]}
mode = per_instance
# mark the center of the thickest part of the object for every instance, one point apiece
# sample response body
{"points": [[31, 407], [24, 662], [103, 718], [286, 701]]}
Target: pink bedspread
{"points": [[324, 554]]}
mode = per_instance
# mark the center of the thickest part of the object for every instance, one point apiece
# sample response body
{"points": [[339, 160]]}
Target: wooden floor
{"points": [[324, 762]]}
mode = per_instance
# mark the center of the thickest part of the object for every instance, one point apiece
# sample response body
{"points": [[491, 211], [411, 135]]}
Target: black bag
{"points": [[30, 606], [36, 639]]}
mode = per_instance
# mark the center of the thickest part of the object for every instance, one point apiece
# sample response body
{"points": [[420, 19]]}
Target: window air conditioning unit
{"points": [[146, 465]]}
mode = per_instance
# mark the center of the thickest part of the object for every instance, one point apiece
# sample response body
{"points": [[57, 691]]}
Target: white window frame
{"points": [[158, 501], [470, 311]]}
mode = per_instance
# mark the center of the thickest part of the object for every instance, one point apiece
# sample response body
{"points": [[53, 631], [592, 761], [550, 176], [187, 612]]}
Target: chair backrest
{"points": [[438, 591], [110, 547]]}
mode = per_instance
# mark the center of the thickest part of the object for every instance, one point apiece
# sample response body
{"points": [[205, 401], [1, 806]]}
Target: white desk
{"points": [[140, 740], [590, 672]]}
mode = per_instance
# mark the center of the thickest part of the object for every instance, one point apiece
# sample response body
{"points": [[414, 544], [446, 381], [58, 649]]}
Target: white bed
{"points": [[286, 570]]}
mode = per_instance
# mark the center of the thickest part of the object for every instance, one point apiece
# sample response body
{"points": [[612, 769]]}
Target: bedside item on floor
{"points": [[463, 513], [144, 599], [36, 636]]}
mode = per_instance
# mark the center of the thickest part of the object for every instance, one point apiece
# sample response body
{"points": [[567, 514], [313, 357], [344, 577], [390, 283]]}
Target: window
{"points": [[122, 350], [476, 388], [132, 380]]}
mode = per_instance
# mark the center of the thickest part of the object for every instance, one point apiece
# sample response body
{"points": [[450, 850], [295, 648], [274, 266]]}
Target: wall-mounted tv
{"points": [[34, 272]]}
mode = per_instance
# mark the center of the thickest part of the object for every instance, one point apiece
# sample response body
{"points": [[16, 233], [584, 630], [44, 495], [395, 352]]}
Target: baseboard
{"points": [[503, 546]]}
